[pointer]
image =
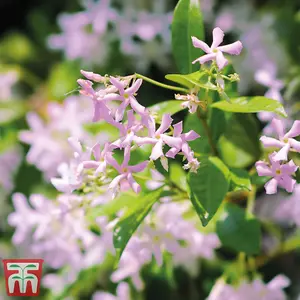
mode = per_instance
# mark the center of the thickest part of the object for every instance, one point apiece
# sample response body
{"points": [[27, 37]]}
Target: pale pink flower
{"points": [[125, 178], [285, 141], [127, 96], [190, 101], [193, 163], [215, 52], [282, 174]]}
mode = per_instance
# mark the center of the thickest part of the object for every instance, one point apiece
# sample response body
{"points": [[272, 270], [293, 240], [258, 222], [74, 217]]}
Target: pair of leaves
{"points": [[208, 187]]}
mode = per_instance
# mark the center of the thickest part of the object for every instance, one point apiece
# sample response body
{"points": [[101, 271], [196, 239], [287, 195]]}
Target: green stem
{"points": [[208, 133], [162, 85], [251, 200]]}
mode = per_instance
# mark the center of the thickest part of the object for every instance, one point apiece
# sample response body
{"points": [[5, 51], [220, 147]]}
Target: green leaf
{"points": [[240, 179], [171, 107], [251, 105], [208, 187], [187, 22], [199, 79], [102, 127], [239, 146], [130, 221], [239, 232], [178, 175]]}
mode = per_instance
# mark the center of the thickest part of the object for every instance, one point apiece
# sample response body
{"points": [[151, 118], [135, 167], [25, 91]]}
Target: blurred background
{"points": [[43, 46]]}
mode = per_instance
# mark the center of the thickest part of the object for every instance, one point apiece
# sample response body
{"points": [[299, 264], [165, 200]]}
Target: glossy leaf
{"points": [[251, 105], [239, 232], [208, 187], [171, 107], [187, 22], [130, 221], [240, 179]]}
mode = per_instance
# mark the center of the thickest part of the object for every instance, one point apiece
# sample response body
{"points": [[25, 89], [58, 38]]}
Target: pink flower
{"points": [[193, 163], [285, 142], [127, 96], [190, 101], [281, 174], [125, 178], [215, 52], [128, 131], [158, 137]]}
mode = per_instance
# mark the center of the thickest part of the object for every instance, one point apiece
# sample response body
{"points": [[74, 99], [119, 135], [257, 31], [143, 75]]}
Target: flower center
{"points": [[278, 171], [286, 140], [215, 50], [157, 136], [124, 170], [126, 96]]}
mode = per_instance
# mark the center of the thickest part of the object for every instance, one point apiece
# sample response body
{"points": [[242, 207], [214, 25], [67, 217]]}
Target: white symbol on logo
{"points": [[23, 277]]}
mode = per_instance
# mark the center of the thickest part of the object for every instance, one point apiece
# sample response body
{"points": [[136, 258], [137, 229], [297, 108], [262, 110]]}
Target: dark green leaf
{"points": [[239, 232], [208, 187], [130, 221], [239, 146], [251, 105], [187, 22]]}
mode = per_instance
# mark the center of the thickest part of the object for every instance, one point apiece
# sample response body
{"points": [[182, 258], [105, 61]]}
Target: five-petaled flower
{"points": [[282, 174], [215, 52], [285, 142]]}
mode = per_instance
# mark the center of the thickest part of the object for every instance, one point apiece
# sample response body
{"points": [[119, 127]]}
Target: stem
{"points": [[251, 200], [165, 86], [208, 134]]}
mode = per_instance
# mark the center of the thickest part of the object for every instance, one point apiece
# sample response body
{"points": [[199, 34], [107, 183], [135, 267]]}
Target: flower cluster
{"points": [[281, 173], [88, 34], [137, 129], [256, 289]]}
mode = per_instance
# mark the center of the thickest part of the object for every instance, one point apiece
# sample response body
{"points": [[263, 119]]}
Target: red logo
{"points": [[23, 276]]}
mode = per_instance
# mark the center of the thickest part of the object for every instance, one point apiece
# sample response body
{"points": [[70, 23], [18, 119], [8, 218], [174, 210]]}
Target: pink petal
{"points": [[117, 83], [294, 131], [126, 157], [191, 135], [271, 186], [233, 49], [111, 161], [139, 167], [96, 151], [130, 118], [218, 36], [271, 142], [135, 87], [289, 168], [287, 183], [165, 124], [75, 144], [200, 44], [172, 152], [221, 60], [121, 110], [115, 182], [145, 140], [282, 153], [137, 107], [278, 127], [90, 164], [134, 185], [172, 141], [279, 282], [177, 129], [157, 150], [205, 58], [263, 169], [295, 144]]}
